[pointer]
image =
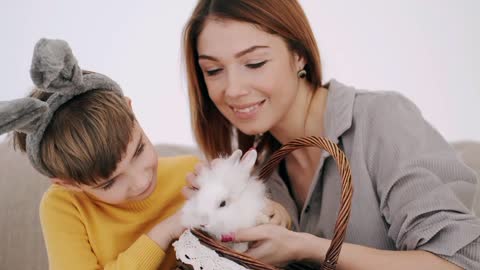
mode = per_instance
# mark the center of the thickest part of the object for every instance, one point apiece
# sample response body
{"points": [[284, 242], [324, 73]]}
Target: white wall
{"points": [[428, 50]]}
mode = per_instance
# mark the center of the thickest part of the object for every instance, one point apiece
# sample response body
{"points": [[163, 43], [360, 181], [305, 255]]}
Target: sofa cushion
{"points": [[21, 189], [20, 233]]}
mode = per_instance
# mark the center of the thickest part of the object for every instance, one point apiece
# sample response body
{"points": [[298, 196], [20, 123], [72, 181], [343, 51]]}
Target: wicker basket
{"points": [[333, 252]]}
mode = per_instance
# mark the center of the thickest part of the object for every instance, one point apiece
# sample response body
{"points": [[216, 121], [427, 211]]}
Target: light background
{"points": [[428, 50]]}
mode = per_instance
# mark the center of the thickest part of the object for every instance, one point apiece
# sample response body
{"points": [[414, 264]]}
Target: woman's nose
{"points": [[234, 87]]}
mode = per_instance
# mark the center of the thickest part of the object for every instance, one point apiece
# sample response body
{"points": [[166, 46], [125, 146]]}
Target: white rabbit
{"points": [[229, 198]]}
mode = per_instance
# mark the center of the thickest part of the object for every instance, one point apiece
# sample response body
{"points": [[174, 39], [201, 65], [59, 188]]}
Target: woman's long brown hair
{"points": [[285, 18]]}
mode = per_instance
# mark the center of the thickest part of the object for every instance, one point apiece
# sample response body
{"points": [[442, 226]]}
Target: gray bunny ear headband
{"points": [[54, 69]]}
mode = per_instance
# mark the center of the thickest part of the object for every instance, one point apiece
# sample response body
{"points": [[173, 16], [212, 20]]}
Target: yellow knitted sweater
{"points": [[83, 233]]}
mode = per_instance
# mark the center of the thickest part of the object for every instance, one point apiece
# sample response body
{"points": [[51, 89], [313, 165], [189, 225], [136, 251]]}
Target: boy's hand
{"points": [[166, 231], [275, 213], [192, 185]]}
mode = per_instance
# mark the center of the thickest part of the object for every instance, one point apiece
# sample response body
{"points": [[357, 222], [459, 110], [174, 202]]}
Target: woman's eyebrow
{"points": [[249, 50], [237, 55]]}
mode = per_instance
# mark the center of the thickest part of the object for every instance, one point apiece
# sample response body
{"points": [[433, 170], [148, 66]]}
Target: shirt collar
{"points": [[338, 116]]}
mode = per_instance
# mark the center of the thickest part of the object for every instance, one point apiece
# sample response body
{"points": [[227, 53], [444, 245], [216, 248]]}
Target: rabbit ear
{"points": [[22, 115], [54, 68], [236, 155], [249, 159]]}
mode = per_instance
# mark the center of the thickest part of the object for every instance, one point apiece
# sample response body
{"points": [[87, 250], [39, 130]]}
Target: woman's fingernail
{"points": [[227, 237]]}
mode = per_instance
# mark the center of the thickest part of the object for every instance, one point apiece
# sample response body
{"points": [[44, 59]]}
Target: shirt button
{"points": [[307, 209]]}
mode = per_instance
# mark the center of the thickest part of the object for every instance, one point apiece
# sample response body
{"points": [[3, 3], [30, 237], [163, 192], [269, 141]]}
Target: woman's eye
{"points": [[256, 65], [213, 72], [222, 204]]}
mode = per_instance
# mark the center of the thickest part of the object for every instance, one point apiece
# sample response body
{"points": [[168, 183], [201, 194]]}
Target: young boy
{"points": [[113, 203]]}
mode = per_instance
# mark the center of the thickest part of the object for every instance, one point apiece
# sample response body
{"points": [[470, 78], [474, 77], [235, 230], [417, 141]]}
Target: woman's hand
{"points": [[278, 246], [274, 244], [274, 213]]}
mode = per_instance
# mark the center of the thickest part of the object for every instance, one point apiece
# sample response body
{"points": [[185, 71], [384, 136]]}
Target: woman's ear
{"points": [[300, 61], [66, 184]]}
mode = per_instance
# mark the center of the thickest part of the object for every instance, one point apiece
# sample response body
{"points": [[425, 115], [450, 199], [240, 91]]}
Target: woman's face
{"points": [[250, 74]]}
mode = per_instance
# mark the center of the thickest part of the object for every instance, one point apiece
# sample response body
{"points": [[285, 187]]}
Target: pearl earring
{"points": [[302, 74]]}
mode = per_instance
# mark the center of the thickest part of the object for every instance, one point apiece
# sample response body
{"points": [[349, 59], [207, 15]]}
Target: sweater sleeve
{"points": [[68, 245], [420, 182]]}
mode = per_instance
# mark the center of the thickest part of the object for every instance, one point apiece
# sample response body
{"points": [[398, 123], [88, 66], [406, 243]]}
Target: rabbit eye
{"points": [[222, 204]]}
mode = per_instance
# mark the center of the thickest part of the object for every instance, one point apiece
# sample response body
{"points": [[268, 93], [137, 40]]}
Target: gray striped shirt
{"points": [[411, 191]]}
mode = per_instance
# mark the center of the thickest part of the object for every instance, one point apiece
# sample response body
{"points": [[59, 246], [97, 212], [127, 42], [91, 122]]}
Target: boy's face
{"points": [[135, 177]]}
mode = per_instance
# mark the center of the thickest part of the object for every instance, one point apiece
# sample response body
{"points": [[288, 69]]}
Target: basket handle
{"points": [[343, 166]]}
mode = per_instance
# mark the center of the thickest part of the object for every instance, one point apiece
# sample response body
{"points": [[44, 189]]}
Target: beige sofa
{"points": [[21, 243]]}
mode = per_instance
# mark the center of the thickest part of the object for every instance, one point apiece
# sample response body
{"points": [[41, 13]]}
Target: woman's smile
{"points": [[247, 111]]}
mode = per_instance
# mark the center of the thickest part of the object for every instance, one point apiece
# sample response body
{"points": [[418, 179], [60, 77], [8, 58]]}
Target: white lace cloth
{"points": [[189, 250]]}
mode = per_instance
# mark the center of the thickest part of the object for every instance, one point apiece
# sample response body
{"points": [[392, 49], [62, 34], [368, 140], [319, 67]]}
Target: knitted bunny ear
{"points": [[54, 68], [22, 115]]}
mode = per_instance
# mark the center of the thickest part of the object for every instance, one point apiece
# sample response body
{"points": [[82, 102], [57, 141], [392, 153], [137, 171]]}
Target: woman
{"points": [[254, 76]]}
